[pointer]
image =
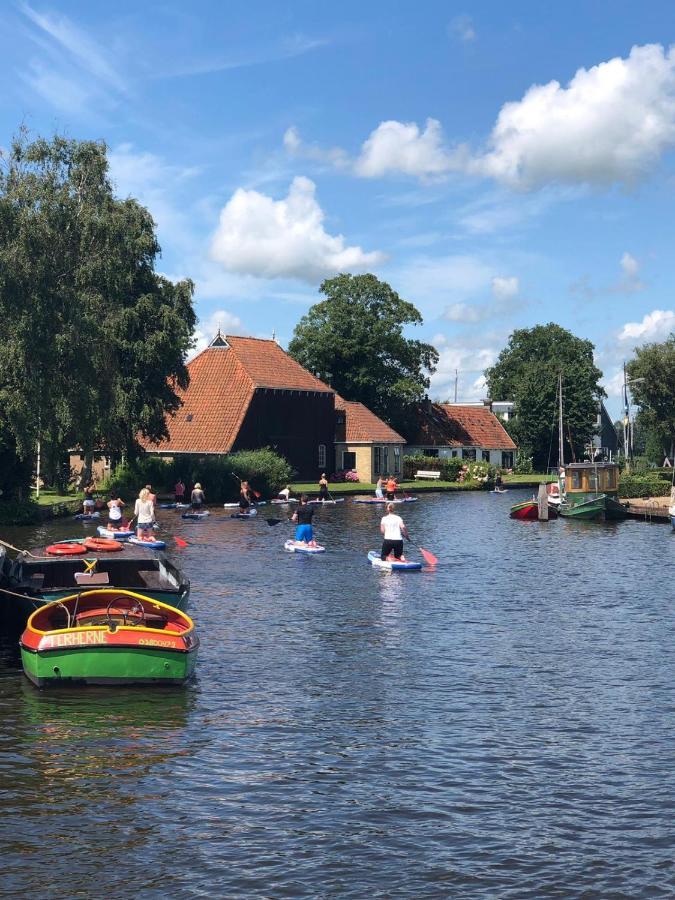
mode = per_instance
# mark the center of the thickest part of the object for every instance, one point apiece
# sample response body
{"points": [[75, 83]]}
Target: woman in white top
{"points": [[144, 511], [115, 512], [393, 531]]}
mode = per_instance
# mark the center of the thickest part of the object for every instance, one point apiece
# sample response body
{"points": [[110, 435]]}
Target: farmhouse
{"points": [[246, 393], [467, 431]]}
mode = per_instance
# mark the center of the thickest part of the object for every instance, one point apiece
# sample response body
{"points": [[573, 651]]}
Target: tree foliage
{"points": [[654, 365], [354, 340], [95, 340], [526, 372]]}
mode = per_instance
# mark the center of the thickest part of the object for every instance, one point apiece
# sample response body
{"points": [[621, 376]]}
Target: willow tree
{"points": [[94, 339]]}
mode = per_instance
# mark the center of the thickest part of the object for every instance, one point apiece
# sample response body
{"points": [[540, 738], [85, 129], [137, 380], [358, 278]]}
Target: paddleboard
{"points": [[284, 502], [115, 535], [326, 502], [245, 515], [182, 505], [393, 565], [168, 505], [194, 515], [496, 491], [236, 505], [302, 547], [87, 517], [154, 544]]}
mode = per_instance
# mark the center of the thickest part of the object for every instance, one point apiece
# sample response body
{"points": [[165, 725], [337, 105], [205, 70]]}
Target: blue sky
{"points": [[501, 165]]}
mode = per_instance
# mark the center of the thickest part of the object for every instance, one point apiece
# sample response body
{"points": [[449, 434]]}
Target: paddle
{"points": [[429, 558], [272, 522], [180, 542]]}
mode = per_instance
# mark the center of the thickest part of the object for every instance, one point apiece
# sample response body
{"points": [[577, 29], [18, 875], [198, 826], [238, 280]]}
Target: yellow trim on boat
{"points": [[119, 592]]}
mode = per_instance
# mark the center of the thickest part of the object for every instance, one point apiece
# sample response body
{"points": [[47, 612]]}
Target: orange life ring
{"points": [[65, 549], [93, 543]]}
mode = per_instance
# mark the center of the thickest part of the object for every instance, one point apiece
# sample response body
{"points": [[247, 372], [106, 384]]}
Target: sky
{"points": [[500, 165]]}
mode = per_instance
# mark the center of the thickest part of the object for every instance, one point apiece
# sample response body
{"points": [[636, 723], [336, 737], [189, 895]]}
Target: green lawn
{"points": [[48, 496], [533, 478]]}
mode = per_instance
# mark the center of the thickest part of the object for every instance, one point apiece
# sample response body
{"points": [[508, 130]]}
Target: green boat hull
{"points": [[108, 665], [593, 509]]}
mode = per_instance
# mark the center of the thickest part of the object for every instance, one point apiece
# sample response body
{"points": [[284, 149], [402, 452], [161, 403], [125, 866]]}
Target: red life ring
{"points": [[93, 543], [65, 549]]}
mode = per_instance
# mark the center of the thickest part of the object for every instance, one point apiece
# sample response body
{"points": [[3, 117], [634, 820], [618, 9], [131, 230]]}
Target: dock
{"points": [[649, 508]]}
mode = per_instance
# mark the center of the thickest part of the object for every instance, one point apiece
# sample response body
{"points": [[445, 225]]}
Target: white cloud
{"points": [[467, 364], [269, 238], [655, 326], [505, 288], [629, 265], [465, 313], [207, 329], [295, 146], [610, 124], [403, 147], [462, 28]]}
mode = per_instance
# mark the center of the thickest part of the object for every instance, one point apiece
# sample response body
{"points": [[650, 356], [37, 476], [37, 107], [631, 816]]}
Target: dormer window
{"points": [[219, 341]]}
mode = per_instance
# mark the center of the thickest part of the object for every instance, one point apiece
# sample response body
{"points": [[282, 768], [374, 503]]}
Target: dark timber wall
{"points": [[293, 423]]}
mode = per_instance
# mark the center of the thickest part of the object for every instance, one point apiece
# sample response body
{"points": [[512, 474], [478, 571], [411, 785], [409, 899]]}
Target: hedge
{"points": [[451, 468], [643, 486], [264, 469]]}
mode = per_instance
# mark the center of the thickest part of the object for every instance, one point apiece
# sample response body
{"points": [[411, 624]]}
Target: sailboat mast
{"points": [[561, 451]]}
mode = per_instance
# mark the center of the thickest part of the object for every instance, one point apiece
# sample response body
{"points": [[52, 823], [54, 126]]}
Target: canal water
{"points": [[501, 726]]}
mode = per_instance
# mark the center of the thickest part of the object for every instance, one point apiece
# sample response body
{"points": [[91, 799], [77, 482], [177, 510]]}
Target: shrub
{"points": [[450, 468], [643, 486], [523, 464], [412, 463], [344, 475], [20, 512], [219, 475]]}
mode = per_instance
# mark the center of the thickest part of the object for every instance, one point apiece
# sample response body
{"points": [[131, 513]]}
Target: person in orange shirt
{"points": [[392, 487]]}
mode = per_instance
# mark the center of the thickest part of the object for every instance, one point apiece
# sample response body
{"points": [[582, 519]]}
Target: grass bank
{"points": [[410, 487]]}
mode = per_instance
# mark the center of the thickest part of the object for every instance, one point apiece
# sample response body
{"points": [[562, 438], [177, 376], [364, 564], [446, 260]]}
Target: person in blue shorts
{"points": [[303, 519]]}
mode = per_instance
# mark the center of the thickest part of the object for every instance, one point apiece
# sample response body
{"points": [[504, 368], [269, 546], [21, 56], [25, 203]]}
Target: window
{"points": [[432, 452], [456, 453], [486, 455], [385, 458], [593, 479], [610, 479], [576, 481], [397, 460], [377, 460], [322, 456], [348, 459], [470, 454], [507, 459]]}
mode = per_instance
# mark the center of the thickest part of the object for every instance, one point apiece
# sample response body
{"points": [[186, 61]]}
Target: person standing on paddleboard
{"points": [[144, 513], [244, 497], [323, 487], [197, 497], [179, 491], [303, 516], [378, 488], [393, 531]]}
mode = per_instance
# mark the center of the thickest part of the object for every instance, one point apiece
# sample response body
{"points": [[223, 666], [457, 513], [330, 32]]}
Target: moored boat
{"points": [[589, 491], [28, 582], [529, 509], [108, 637]]}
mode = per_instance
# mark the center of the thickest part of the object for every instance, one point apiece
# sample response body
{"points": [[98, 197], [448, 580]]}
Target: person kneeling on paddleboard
{"points": [[303, 518], [285, 493], [393, 531]]}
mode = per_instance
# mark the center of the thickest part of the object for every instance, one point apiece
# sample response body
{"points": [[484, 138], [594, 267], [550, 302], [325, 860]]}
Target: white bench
{"points": [[422, 473]]}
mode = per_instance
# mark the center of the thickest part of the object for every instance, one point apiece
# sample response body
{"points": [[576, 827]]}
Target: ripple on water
{"points": [[501, 726]]}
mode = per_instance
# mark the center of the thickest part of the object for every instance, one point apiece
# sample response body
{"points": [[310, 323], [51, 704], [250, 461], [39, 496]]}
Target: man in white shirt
{"points": [[393, 531]]}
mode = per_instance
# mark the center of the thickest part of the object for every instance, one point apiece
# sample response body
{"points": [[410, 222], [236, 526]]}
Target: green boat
{"points": [[589, 491], [108, 637], [29, 582]]}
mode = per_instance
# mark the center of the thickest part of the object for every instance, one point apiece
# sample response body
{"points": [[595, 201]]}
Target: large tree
{"points": [[527, 371], [354, 340], [93, 337], [652, 384]]}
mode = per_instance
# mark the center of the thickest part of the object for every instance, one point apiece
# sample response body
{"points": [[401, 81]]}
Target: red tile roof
{"points": [[363, 426], [223, 380], [450, 425]]}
